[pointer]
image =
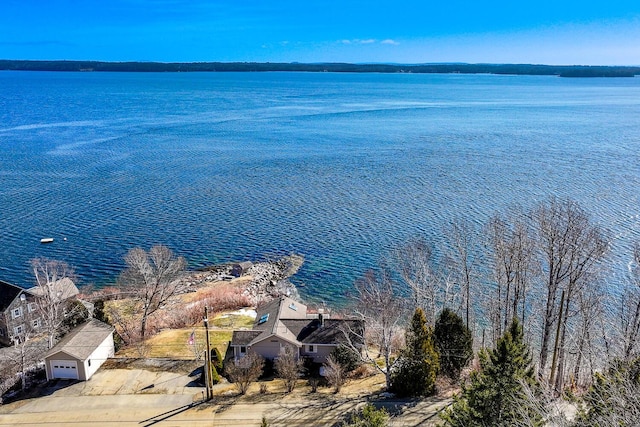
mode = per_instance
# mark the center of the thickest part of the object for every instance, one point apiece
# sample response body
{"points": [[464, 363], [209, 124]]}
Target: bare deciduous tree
{"points": [[414, 263], [511, 254], [245, 370], [153, 279], [629, 309], [335, 373], [289, 367], [53, 291], [571, 247], [462, 262], [383, 311]]}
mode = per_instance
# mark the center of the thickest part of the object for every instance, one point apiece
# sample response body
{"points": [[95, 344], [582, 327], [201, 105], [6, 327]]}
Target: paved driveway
{"points": [[110, 397]]}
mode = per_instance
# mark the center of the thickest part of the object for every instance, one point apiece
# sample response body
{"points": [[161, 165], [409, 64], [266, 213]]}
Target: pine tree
{"points": [[453, 342], [496, 395], [613, 397], [416, 371]]}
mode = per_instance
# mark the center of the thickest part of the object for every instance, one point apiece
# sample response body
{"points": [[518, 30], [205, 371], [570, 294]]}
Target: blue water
{"points": [[337, 167]]}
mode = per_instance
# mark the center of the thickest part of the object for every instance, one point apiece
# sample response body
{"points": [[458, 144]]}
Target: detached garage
{"points": [[81, 352]]}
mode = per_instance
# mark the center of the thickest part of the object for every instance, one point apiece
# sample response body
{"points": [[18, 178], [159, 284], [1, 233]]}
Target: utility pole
{"points": [[207, 357]]}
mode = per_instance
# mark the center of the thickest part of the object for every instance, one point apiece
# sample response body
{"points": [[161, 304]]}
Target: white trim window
{"points": [[16, 312], [32, 306], [312, 348], [35, 323], [18, 330]]}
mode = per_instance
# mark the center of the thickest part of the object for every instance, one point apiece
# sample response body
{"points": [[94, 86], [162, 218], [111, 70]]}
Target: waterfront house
{"points": [[285, 322]]}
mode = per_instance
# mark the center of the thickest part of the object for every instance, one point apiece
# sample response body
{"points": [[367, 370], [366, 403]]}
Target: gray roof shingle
{"points": [[288, 320], [8, 293], [83, 340]]}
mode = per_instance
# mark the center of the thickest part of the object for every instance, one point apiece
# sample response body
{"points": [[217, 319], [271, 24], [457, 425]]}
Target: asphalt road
{"points": [[136, 397]]}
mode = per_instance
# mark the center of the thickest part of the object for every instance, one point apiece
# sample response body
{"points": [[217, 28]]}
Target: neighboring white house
{"points": [[81, 352], [285, 322]]}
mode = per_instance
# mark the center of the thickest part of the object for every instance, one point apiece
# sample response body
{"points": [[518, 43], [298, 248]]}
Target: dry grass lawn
{"points": [[174, 343]]}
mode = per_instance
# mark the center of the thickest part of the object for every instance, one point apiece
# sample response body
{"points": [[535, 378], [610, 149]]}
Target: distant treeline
{"points": [[518, 69]]}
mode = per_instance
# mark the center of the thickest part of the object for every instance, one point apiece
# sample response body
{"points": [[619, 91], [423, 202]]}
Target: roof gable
{"points": [[83, 340], [65, 286], [333, 331], [8, 293], [288, 320]]}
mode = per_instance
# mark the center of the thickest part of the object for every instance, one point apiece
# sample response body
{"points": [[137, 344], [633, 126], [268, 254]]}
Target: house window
{"points": [[18, 329], [263, 319], [32, 306], [89, 362], [292, 306], [243, 349], [36, 323], [312, 348], [17, 312]]}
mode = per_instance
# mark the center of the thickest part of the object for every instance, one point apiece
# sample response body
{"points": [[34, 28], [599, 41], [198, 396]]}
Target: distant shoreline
{"points": [[455, 68]]}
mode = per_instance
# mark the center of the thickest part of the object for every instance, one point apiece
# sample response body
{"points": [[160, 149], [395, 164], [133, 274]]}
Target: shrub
{"points": [[314, 383], [369, 416], [245, 371], [334, 373], [216, 358], [289, 367], [347, 357], [214, 375]]}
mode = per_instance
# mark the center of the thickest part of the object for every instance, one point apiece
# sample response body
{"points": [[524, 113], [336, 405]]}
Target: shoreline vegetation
{"points": [[214, 287], [333, 67]]}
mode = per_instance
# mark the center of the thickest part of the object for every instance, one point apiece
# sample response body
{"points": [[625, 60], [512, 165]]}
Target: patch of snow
{"points": [[251, 312]]}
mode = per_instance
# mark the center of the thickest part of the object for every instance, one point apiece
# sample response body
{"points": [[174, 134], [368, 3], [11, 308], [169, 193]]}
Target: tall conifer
{"points": [[415, 374], [454, 343], [496, 395]]}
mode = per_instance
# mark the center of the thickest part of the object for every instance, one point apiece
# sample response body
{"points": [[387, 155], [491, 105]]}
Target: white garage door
{"points": [[64, 369]]}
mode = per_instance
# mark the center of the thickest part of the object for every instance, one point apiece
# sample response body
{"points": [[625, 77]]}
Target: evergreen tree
{"points": [[415, 374], [346, 357], [613, 397], [496, 395], [368, 416], [454, 343]]}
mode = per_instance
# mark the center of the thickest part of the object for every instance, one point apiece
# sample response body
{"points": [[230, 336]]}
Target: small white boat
{"points": [[46, 240]]}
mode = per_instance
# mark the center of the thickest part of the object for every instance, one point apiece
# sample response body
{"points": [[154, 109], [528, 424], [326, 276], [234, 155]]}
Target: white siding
{"points": [[99, 356]]}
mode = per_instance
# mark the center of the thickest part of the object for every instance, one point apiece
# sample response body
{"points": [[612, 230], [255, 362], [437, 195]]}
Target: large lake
{"points": [[337, 167]]}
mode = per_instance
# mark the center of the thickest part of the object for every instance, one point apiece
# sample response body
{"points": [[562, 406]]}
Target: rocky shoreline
{"points": [[261, 282]]}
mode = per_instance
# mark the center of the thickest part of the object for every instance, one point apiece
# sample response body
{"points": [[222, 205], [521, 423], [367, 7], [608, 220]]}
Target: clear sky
{"points": [[602, 32]]}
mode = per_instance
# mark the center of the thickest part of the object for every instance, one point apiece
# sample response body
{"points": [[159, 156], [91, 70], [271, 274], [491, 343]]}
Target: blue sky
{"points": [[496, 31]]}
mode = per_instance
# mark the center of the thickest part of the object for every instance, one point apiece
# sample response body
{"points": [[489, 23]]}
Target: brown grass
{"points": [[174, 343]]}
